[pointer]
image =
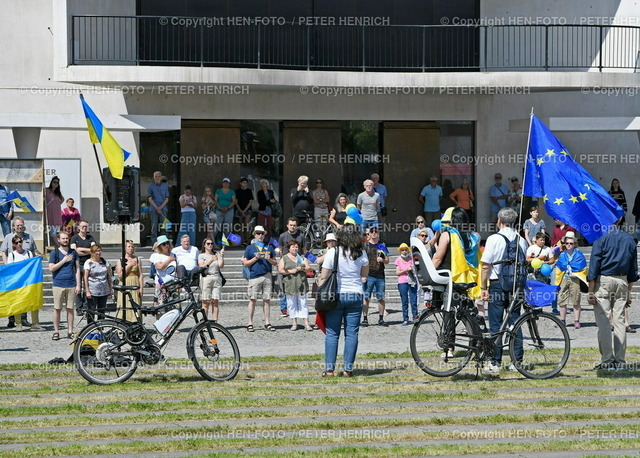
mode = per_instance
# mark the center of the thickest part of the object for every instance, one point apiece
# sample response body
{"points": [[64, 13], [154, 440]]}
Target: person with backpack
{"points": [[497, 281]]}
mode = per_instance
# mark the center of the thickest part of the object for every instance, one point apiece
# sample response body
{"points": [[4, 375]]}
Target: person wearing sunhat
{"points": [[259, 258], [407, 284], [161, 259], [225, 201]]}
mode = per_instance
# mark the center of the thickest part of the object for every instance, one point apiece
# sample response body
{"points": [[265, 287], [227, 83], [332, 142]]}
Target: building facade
{"points": [[273, 90]]}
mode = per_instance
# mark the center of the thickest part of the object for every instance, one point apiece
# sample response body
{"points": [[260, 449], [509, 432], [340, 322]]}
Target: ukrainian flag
{"points": [[113, 152], [21, 287], [465, 263], [20, 201]]}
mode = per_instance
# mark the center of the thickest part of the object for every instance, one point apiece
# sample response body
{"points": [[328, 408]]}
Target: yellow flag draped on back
{"points": [[464, 268]]}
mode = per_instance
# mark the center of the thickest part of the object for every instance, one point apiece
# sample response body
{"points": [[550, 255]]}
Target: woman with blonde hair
{"points": [[211, 284], [133, 277], [208, 211]]}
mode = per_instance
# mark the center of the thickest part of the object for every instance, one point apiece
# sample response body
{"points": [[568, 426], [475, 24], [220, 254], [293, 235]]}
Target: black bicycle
{"points": [[443, 342], [109, 350]]}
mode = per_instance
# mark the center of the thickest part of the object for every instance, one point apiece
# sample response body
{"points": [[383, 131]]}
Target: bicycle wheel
{"points": [[441, 345], [102, 354], [543, 342], [309, 239], [213, 351]]}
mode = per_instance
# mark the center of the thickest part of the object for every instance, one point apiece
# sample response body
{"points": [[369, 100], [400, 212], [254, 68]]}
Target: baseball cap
{"points": [[226, 179]]}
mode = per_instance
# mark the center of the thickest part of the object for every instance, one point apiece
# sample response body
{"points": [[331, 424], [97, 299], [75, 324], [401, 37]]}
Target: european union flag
{"points": [[233, 238], [382, 247], [569, 193], [310, 256], [274, 243]]}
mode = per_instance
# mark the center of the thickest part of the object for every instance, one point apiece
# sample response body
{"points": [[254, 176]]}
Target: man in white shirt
{"points": [[492, 291], [186, 256]]}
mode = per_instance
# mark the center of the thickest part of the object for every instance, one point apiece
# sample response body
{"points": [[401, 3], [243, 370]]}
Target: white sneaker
{"points": [[513, 368], [447, 354], [492, 368]]}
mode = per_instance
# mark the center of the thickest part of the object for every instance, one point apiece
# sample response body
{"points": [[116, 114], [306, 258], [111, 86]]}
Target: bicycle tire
{"points": [[428, 342], [216, 358], [102, 354], [309, 240], [545, 345]]}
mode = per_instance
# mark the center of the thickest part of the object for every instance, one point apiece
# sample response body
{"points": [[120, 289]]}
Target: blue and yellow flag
{"points": [[225, 242], [113, 152], [21, 287], [166, 224], [464, 263], [19, 201], [569, 193]]}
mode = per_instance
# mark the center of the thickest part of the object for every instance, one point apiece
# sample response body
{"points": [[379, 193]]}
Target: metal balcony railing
{"points": [[216, 42]]}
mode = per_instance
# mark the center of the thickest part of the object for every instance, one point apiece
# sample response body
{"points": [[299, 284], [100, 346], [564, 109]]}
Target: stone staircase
{"points": [[234, 292]]}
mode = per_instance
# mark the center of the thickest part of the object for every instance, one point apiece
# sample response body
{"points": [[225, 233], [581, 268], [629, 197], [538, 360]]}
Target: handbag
{"points": [[223, 281], [327, 295], [276, 209]]}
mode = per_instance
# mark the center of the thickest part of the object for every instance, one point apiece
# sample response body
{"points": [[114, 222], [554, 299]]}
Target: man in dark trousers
{"points": [[613, 268]]}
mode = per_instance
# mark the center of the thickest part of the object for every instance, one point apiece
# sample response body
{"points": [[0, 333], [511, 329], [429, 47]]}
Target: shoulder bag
{"points": [[327, 295]]}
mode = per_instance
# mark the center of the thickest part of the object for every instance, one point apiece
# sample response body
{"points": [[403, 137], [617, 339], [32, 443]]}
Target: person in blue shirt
{"points": [[571, 263], [158, 193], [613, 268], [64, 265], [259, 258], [6, 211], [430, 197], [499, 195]]}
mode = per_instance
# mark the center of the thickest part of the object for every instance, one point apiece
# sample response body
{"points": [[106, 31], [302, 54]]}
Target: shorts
{"points": [[211, 288], [63, 296], [569, 293], [374, 285], [260, 287]]}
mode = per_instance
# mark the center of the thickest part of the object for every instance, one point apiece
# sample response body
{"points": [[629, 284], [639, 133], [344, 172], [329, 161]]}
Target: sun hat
{"points": [[259, 229], [330, 236], [403, 246], [160, 240]]}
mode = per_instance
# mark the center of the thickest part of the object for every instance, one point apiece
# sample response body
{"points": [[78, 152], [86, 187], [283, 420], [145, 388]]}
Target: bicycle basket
{"points": [[540, 294]]}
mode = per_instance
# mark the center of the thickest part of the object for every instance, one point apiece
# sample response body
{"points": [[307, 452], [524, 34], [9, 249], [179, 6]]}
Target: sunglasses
{"points": [[420, 222], [209, 243], [18, 242], [569, 243], [422, 235], [319, 182], [164, 243], [259, 233]]}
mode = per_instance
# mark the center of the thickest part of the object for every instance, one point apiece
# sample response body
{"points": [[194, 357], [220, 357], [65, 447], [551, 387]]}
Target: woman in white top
{"points": [[211, 284], [19, 254], [353, 268], [162, 258]]}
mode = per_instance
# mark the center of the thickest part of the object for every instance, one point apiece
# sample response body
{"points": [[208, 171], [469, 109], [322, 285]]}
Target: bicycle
{"points": [[108, 350], [314, 232], [450, 333]]}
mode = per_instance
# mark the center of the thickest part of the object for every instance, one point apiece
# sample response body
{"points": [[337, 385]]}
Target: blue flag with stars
{"points": [[568, 191]]}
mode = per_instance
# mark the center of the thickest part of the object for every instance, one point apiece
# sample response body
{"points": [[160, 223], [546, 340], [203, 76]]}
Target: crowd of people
{"points": [[82, 278]]}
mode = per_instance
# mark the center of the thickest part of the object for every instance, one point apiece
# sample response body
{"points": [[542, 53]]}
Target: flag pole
{"points": [[526, 157]]}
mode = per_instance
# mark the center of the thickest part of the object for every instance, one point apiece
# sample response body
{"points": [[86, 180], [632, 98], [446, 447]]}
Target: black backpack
{"points": [[508, 270]]}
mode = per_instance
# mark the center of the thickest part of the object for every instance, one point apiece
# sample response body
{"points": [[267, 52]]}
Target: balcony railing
{"points": [[219, 42]]}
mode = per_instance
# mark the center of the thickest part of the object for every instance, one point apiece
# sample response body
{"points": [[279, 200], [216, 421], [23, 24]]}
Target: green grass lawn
{"points": [[281, 406]]}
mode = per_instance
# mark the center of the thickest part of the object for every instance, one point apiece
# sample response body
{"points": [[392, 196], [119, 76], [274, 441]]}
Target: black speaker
{"points": [[121, 203]]}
